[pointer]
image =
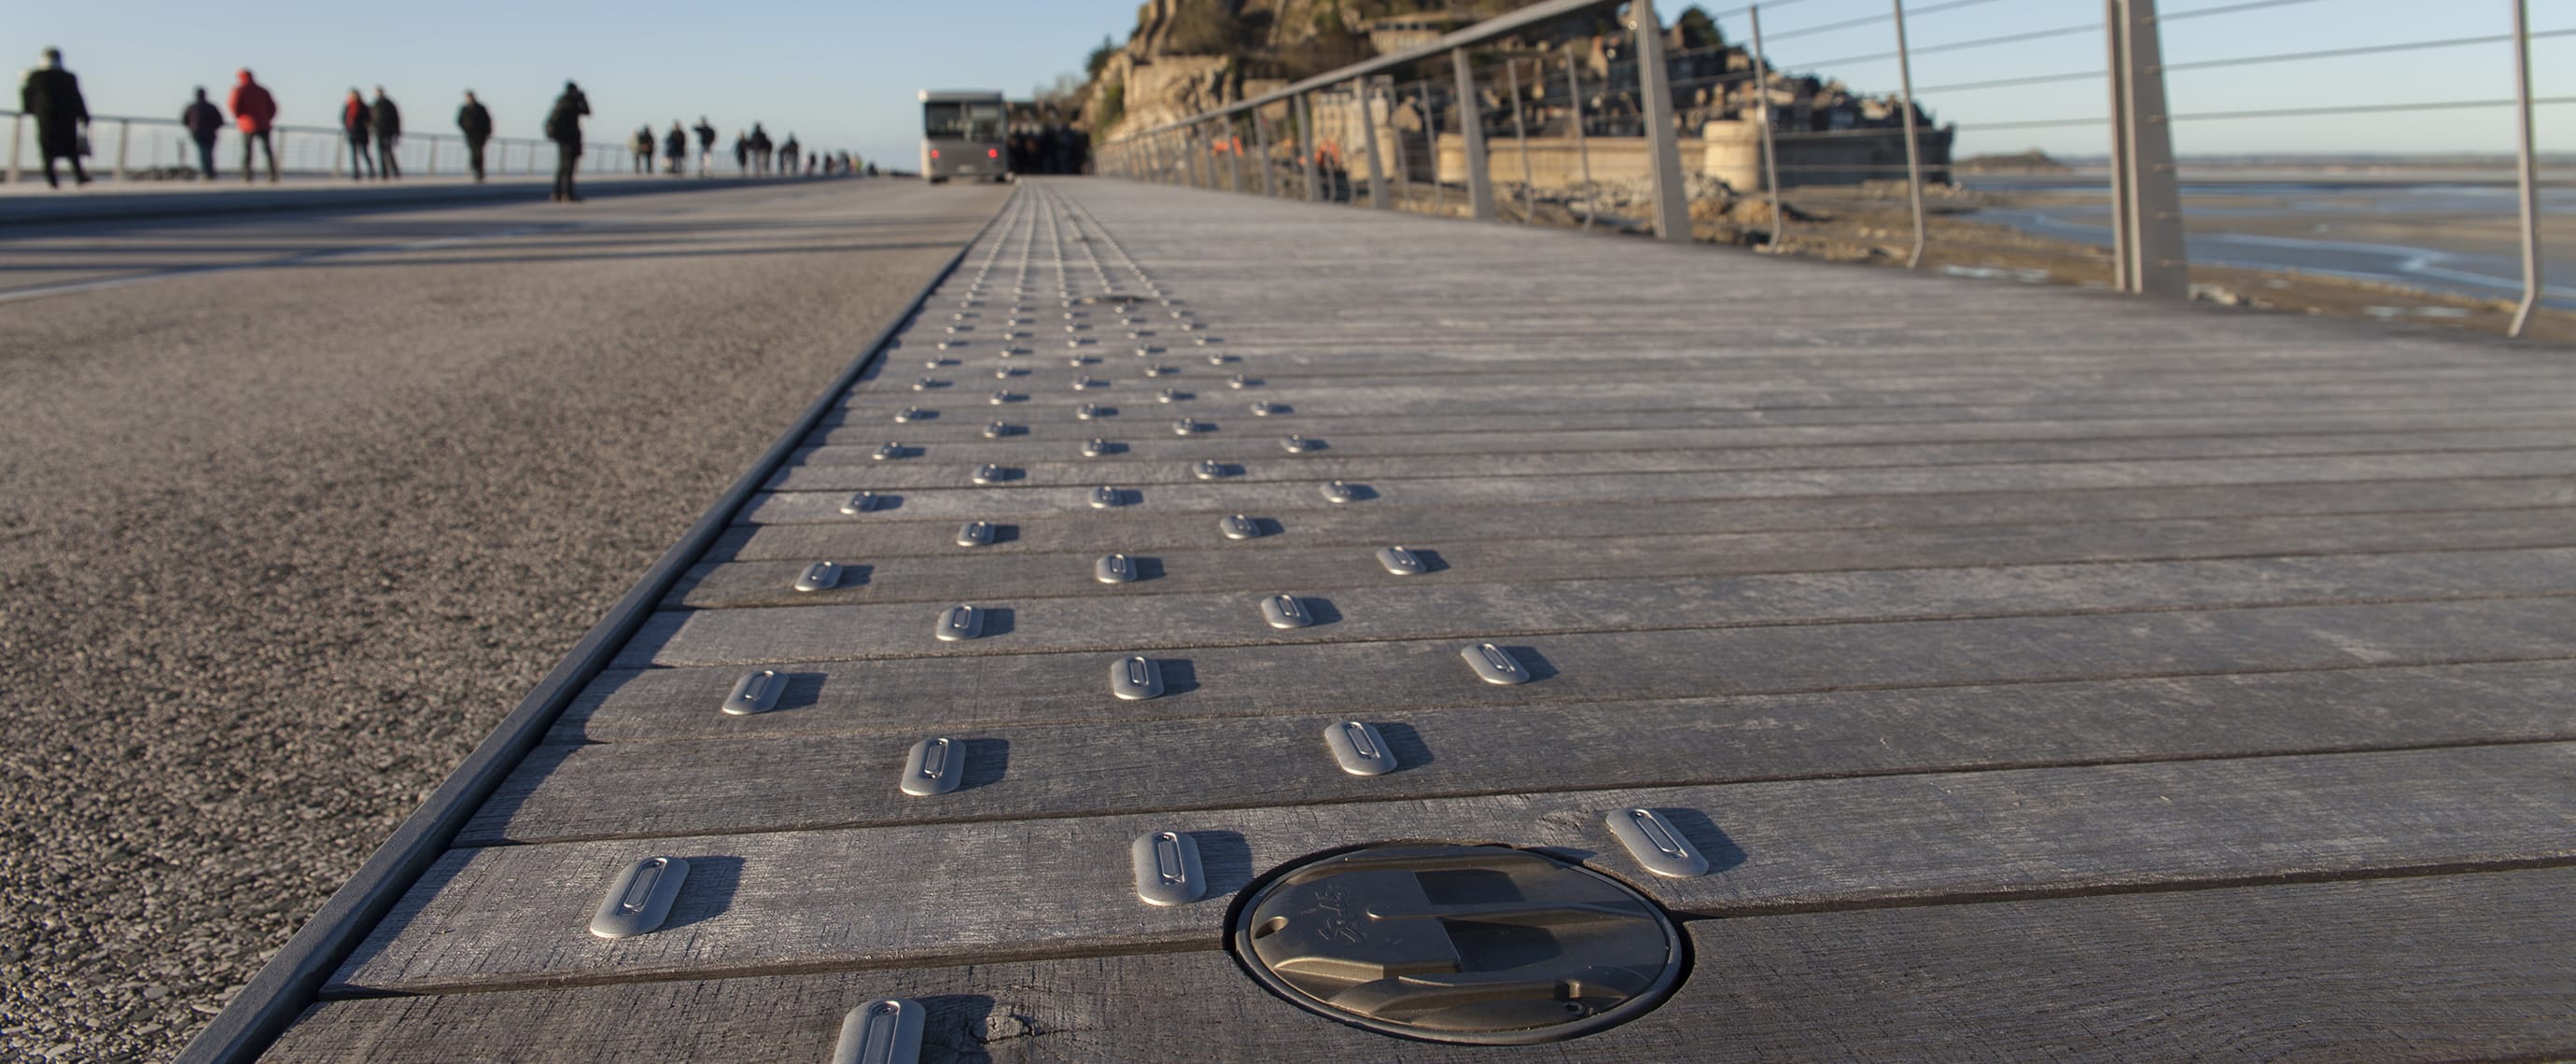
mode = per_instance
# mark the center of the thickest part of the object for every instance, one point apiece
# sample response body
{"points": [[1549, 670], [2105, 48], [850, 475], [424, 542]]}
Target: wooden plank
{"points": [[1029, 464], [1053, 393], [954, 577], [960, 438], [962, 504], [801, 782], [1115, 531], [869, 416], [1458, 601], [919, 894], [1349, 679], [2434, 968]]}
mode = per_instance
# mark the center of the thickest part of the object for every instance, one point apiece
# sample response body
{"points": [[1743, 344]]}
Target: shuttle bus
{"points": [[962, 136]]}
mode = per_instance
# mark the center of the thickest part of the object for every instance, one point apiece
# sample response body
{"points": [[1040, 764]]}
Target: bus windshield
{"points": [[978, 120]]}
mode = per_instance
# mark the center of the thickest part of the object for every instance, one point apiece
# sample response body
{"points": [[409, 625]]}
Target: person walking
{"points": [[255, 111], [358, 121], [52, 96], [789, 152], [203, 120], [759, 149], [563, 126], [476, 123], [706, 132], [642, 145], [741, 154], [675, 150], [388, 122]]}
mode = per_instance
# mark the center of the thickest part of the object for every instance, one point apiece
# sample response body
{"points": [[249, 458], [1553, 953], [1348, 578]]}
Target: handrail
{"points": [[1629, 97]]}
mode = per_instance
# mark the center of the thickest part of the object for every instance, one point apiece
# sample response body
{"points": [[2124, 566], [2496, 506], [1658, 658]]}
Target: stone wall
{"points": [[1729, 151]]}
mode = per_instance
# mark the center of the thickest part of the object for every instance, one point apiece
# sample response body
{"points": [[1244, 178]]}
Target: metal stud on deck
{"points": [[1114, 569], [1495, 665], [959, 623], [757, 692], [1340, 492], [820, 576], [1136, 679], [886, 1031], [1284, 611], [1295, 444], [1086, 411], [640, 898], [1103, 498], [1238, 526], [990, 474], [889, 450], [1185, 427], [1167, 868], [1358, 748], [1401, 562], [1211, 470], [861, 502], [1656, 844], [975, 534], [935, 766], [910, 414], [998, 429]]}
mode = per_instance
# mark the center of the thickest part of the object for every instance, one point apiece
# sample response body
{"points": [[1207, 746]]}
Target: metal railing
{"points": [[1366, 131], [135, 149]]}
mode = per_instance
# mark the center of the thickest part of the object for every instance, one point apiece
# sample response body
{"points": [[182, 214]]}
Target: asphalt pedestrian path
{"points": [[297, 506]]}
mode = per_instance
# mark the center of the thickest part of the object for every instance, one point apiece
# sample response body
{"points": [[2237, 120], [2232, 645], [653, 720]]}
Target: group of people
{"points": [[51, 95], [753, 152]]}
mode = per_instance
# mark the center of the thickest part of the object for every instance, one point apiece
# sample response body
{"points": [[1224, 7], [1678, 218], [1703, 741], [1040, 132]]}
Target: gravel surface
{"points": [[279, 543]]}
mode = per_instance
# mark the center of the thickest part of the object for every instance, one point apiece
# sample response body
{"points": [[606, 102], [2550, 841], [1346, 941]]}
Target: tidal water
{"points": [[2445, 237]]}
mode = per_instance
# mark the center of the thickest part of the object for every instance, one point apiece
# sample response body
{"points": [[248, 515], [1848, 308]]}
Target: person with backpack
{"points": [[52, 96], [255, 111], [203, 120], [476, 123], [388, 122], [563, 126], [358, 121]]}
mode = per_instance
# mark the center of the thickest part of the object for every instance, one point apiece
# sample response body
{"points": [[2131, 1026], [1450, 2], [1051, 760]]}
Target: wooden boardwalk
{"points": [[2044, 674]]}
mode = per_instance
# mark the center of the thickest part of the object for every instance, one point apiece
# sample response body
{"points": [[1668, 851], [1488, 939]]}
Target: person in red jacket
{"points": [[359, 121], [255, 111]]}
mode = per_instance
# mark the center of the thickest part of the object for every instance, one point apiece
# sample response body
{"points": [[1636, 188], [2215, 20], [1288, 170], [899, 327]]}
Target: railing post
{"points": [[17, 136], [1583, 147], [1913, 142], [1663, 145], [1431, 143], [1306, 146], [1770, 155], [2527, 170], [1520, 143], [1379, 195], [2145, 200], [1471, 130], [124, 135], [1261, 135], [429, 167]]}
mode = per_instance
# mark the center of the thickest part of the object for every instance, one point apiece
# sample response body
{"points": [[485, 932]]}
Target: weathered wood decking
{"points": [[2048, 674]]}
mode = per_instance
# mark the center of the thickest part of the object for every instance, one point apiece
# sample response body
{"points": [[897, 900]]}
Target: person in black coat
{"points": [[675, 150], [52, 96], [203, 120], [476, 123], [388, 123], [563, 126]]}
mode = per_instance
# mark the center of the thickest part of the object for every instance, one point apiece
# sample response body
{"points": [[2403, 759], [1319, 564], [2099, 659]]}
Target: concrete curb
{"points": [[198, 203]]}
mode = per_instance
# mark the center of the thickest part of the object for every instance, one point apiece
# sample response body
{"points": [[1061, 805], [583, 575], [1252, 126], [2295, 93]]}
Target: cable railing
{"points": [[134, 149], [1538, 117]]}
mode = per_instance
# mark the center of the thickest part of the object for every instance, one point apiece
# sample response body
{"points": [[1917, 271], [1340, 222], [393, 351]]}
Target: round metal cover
{"points": [[1479, 944]]}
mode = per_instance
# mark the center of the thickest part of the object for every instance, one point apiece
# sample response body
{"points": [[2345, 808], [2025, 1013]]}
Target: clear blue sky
{"points": [[842, 74]]}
